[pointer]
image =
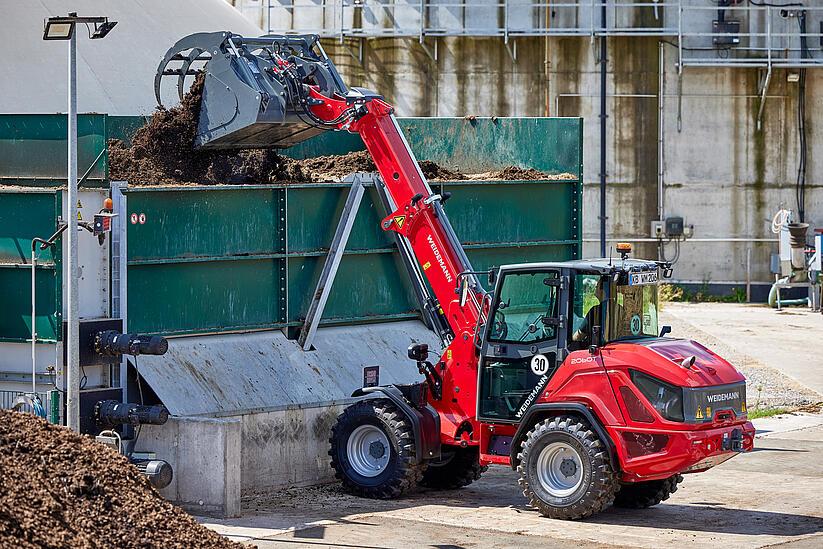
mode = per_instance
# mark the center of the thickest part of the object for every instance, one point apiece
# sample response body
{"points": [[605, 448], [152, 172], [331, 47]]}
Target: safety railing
{"points": [[750, 34], [8, 399], [503, 18]]}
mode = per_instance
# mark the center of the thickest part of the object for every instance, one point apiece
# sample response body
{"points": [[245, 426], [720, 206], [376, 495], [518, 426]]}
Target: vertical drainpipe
{"points": [[661, 92], [603, 116]]}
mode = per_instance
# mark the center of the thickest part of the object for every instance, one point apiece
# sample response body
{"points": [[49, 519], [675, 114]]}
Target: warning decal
{"points": [[399, 220]]}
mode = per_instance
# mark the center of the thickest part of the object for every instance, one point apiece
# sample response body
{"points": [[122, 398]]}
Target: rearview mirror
{"points": [[595, 340], [492, 276], [665, 330]]}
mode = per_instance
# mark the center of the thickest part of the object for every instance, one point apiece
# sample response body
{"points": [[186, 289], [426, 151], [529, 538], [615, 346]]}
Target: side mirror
{"points": [[595, 339], [418, 351], [492, 276], [665, 330]]}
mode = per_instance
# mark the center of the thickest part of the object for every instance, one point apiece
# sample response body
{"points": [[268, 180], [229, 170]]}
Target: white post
{"points": [[72, 337]]}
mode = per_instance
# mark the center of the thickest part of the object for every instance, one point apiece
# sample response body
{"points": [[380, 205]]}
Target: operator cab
{"points": [[541, 312]]}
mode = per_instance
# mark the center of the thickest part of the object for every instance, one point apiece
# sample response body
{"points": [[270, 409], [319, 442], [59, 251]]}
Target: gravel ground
{"points": [[766, 387]]}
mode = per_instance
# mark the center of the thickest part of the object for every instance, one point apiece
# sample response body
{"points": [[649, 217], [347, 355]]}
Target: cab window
{"points": [[526, 299], [633, 312]]}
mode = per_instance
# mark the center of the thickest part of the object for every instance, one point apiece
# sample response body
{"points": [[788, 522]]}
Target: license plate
{"points": [[638, 279]]}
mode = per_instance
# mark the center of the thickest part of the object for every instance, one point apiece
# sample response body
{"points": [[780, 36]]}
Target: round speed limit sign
{"points": [[540, 365]]}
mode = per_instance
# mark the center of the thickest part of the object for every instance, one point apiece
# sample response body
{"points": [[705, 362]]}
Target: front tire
{"points": [[458, 467], [641, 495], [372, 450], [565, 470]]}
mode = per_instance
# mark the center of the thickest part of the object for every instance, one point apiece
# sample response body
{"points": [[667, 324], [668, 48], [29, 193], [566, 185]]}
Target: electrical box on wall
{"points": [[726, 33], [658, 229], [671, 228], [674, 227]]}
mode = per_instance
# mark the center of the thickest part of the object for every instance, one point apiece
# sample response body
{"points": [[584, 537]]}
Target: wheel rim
{"points": [[559, 469], [368, 450]]}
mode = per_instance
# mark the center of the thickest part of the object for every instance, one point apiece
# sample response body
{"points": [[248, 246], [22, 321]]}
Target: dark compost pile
{"points": [[59, 489], [162, 152]]}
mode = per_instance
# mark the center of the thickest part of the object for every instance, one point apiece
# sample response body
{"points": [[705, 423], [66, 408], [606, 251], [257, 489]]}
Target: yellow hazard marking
{"points": [[708, 411], [699, 414], [79, 204], [449, 354], [399, 220], [79, 216], [743, 408], [426, 265]]}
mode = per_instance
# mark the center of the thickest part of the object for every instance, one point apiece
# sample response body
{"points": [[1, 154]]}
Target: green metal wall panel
{"points": [[313, 213], [206, 296], [23, 216], [189, 224], [511, 211], [34, 152], [368, 287]]}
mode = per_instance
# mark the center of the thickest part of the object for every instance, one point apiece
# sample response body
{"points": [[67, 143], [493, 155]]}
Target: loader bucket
{"points": [[245, 105]]}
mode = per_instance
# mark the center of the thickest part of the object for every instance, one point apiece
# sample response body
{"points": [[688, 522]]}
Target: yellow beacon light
{"points": [[624, 248]]}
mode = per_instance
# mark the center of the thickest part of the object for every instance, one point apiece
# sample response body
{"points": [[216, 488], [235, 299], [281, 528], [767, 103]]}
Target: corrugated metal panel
{"points": [[33, 149], [235, 374], [23, 216]]}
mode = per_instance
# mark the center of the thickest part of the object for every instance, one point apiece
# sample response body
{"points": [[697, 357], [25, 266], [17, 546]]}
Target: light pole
{"points": [[63, 28]]}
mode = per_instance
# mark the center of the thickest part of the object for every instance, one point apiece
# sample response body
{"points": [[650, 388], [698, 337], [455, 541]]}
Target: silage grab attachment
{"points": [[255, 93]]}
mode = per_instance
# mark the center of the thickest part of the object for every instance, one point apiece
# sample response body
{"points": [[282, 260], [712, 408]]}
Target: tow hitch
{"points": [[733, 441]]}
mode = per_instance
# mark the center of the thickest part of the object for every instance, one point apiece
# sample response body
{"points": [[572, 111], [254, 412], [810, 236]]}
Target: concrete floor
{"points": [[772, 496]]}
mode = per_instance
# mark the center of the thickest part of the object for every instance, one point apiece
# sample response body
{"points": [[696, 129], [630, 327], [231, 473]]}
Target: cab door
{"points": [[519, 351]]}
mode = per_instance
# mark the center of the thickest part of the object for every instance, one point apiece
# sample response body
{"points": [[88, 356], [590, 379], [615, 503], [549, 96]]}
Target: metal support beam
{"points": [[72, 282], [119, 265], [338, 246], [603, 115]]}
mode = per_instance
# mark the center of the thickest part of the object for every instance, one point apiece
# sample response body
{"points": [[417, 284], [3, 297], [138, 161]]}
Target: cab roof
{"points": [[603, 265]]}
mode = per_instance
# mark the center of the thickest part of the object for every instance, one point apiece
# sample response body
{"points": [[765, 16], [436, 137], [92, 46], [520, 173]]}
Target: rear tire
{"points": [[640, 495], [565, 471], [458, 467], [372, 450]]}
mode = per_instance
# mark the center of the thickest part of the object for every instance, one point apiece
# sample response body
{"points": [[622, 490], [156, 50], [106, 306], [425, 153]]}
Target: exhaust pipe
{"points": [[797, 241]]}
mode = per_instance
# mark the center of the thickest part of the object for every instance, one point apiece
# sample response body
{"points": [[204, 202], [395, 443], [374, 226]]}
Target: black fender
{"points": [[554, 409], [424, 419]]}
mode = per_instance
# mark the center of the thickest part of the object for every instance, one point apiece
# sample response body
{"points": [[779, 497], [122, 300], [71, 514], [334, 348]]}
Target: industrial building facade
{"points": [[702, 103]]}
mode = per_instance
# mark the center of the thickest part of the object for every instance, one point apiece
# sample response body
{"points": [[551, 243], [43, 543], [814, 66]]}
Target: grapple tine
{"points": [[204, 41], [184, 70]]}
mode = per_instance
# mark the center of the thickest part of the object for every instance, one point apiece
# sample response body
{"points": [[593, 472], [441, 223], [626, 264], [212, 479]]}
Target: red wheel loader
{"points": [[558, 370]]}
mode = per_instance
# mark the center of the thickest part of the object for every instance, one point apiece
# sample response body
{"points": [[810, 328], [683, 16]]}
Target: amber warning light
{"points": [[102, 220]]}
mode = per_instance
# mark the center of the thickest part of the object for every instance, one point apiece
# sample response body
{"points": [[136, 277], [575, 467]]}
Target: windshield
{"points": [[632, 311]]}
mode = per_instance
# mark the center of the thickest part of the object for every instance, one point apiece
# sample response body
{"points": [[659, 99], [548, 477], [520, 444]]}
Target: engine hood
{"points": [[662, 358]]}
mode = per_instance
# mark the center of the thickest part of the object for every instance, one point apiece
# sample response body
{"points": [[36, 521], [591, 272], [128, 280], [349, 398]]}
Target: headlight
{"points": [[667, 399]]}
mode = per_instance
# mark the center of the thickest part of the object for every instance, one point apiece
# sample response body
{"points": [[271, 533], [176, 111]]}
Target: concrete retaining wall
{"points": [[205, 455], [287, 448]]}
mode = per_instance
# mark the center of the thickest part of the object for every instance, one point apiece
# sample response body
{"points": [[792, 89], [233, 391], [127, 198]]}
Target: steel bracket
{"points": [[336, 249]]}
